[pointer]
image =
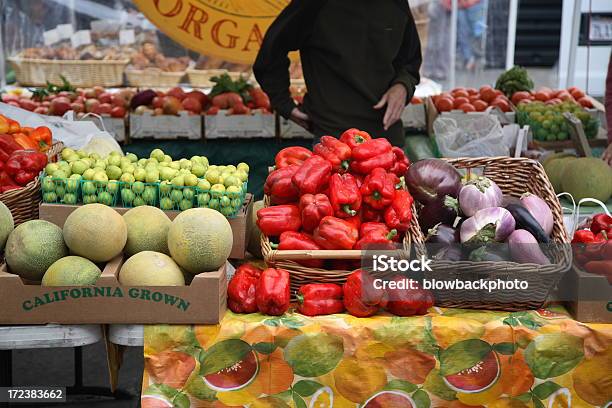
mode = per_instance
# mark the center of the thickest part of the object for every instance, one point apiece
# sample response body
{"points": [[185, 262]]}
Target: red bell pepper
{"points": [[583, 237], [334, 151], [372, 154], [292, 240], [377, 240], [399, 214], [378, 227], [42, 137], [400, 162], [601, 222], [336, 233], [344, 195], [369, 214], [361, 297], [273, 293], [7, 147], [354, 137], [378, 188], [313, 175], [312, 209], [354, 221], [292, 156], [7, 183], [279, 186], [317, 299], [273, 221], [408, 301], [241, 289], [24, 165]]}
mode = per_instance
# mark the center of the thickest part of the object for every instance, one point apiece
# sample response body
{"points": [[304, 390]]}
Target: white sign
{"points": [[601, 29], [64, 31], [127, 37], [81, 37], [51, 37]]}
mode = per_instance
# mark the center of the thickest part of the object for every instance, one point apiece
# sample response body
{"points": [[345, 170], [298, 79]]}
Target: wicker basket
{"points": [[302, 275], [86, 73], [201, 77], [54, 151], [153, 77], [514, 176]]}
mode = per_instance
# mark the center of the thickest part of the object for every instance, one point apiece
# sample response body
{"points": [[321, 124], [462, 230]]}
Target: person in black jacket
{"points": [[360, 59]]}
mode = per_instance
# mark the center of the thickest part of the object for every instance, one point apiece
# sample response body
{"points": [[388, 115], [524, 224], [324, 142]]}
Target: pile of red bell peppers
{"points": [[593, 246], [345, 194], [252, 290], [18, 167]]}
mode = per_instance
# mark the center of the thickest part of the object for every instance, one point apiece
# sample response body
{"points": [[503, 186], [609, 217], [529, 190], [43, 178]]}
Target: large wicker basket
{"points": [[86, 73], [302, 275], [153, 77], [23, 203], [514, 176]]}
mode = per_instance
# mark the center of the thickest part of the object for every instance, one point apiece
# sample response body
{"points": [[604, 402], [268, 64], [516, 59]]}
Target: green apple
{"points": [[128, 169], [89, 188], [60, 174], [127, 196], [67, 152], [47, 185], [204, 185], [149, 195], [127, 178], [124, 162], [89, 174], [191, 180], [132, 157], [243, 166], [157, 154], [101, 164], [90, 199], [166, 173], [185, 204], [51, 168], [178, 181], [140, 174], [100, 177], [113, 172], [203, 199], [70, 198], [50, 197], [198, 169], [152, 176], [138, 202], [166, 204], [142, 162], [105, 198], [165, 187], [176, 196], [175, 165], [242, 175], [188, 193], [114, 160], [167, 159], [213, 176], [138, 187], [112, 187]]}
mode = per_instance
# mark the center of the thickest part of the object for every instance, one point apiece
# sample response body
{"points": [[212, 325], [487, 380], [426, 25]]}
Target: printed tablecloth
{"points": [[448, 358]]}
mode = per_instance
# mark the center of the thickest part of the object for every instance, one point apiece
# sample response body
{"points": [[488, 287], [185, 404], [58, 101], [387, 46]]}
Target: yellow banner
{"points": [[229, 29]]}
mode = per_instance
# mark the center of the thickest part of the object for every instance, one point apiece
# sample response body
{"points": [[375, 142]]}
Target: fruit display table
{"points": [[447, 358]]}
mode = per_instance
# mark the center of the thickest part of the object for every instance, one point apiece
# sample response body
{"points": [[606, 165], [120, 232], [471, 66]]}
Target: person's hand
{"points": [[300, 118], [395, 100], [607, 155]]}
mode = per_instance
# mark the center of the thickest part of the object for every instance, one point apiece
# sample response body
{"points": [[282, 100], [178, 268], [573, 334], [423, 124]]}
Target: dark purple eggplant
{"points": [[449, 253], [435, 213], [143, 98], [524, 220], [442, 234], [508, 199], [431, 180]]}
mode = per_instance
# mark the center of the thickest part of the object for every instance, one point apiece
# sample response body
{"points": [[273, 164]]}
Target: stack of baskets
{"points": [[23, 203], [514, 176]]}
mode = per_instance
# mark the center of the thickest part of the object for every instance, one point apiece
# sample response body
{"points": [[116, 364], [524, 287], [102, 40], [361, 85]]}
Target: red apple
{"points": [[104, 109], [177, 92], [117, 100], [59, 106], [172, 105], [200, 96], [90, 94], [70, 95], [158, 102], [118, 112], [105, 97], [77, 107], [191, 104], [28, 104], [98, 90], [91, 105]]}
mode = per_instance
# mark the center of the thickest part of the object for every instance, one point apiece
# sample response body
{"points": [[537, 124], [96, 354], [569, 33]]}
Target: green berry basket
{"points": [[102, 192], [181, 198], [57, 190], [138, 193]]}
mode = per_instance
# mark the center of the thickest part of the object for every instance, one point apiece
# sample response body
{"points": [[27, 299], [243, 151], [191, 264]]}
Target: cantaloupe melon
{"points": [[200, 240], [6, 224], [95, 232], [254, 246], [555, 169], [587, 177], [71, 271], [33, 247], [147, 230], [151, 269]]}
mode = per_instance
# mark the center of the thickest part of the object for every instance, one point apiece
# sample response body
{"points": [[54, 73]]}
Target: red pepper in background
{"points": [[291, 156], [408, 301], [273, 221], [354, 137], [42, 137], [361, 298], [601, 222], [279, 186], [372, 154], [344, 195], [336, 233], [292, 240], [7, 147], [313, 175], [312, 209], [7, 183], [317, 299], [400, 162], [583, 237], [378, 188], [603, 268], [241, 289], [399, 214], [369, 214], [272, 293], [334, 151], [24, 165]]}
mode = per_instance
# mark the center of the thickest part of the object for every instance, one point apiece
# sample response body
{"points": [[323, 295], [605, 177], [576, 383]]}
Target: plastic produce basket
{"points": [[137, 194], [60, 190], [103, 192]]}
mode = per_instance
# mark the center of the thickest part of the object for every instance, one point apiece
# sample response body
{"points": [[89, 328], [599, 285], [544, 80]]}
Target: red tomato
{"points": [[471, 91], [444, 104], [542, 96], [577, 94], [467, 107], [473, 98], [460, 101], [487, 94], [501, 104], [519, 96], [585, 102], [480, 105], [460, 92]]}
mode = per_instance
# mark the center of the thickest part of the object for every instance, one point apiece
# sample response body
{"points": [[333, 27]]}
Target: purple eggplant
{"points": [[431, 180], [524, 220], [493, 224], [442, 234], [478, 194], [143, 98], [539, 210], [524, 248], [436, 212]]}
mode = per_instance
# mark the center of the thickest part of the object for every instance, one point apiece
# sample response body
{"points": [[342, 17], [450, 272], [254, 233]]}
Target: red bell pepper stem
{"points": [[354, 137], [344, 195], [378, 188], [320, 299], [272, 292], [334, 151]]}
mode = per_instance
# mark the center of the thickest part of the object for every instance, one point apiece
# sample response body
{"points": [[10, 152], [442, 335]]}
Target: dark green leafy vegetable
{"points": [[514, 80], [224, 83]]}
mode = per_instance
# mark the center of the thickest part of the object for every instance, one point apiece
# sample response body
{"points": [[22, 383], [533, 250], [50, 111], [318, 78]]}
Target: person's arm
{"points": [[271, 67], [408, 61]]}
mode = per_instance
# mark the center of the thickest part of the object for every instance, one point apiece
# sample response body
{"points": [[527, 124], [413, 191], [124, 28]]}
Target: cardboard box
{"points": [[590, 294], [167, 127], [291, 130], [114, 126], [505, 118], [223, 126], [107, 302], [57, 214], [414, 116]]}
